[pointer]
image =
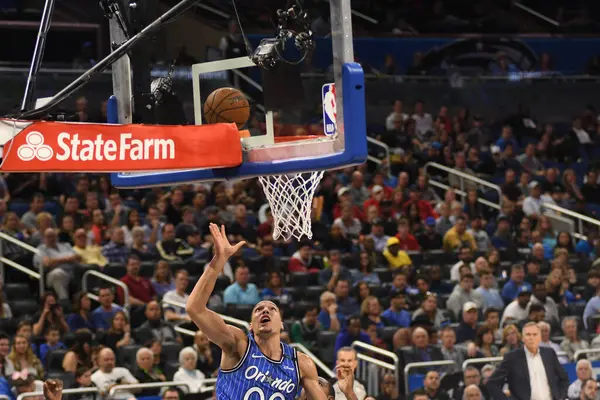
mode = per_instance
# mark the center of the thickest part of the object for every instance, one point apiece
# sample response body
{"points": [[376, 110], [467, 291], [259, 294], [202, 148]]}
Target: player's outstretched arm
{"points": [[213, 326]]}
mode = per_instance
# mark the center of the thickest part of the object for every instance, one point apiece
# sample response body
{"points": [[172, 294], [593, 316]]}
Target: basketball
{"points": [[227, 105]]}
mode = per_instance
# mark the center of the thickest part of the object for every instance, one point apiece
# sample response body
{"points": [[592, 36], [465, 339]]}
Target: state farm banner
{"points": [[79, 147]]}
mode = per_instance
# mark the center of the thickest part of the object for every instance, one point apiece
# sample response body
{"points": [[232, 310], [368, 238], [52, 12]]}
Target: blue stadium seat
{"points": [[19, 207]]}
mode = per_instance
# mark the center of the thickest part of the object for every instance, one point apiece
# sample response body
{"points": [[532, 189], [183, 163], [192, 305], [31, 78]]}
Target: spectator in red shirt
{"points": [[303, 260], [141, 291], [425, 208], [407, 241], [344, 197], [379, 179], [377, 195]]}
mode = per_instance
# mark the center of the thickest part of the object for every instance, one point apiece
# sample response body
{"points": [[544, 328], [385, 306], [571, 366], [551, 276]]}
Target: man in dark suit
{"points": [[532, 372]]}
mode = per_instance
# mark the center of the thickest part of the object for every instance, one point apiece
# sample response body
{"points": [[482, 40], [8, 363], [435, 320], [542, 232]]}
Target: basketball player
{"points": [[257, 366]]}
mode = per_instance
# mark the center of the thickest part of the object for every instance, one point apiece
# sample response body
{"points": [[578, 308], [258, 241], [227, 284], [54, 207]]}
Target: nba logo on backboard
{"points": [[329, 109]]}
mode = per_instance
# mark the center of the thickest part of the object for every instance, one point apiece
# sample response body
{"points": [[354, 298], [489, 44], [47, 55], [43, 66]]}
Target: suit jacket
{"points": [[514, 371]]}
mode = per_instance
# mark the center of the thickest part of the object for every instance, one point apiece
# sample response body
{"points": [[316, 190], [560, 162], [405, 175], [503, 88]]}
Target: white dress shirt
{"points": [[540, 388]]}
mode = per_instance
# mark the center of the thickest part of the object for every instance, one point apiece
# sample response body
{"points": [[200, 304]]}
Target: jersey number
{"points": [[261, 394]]}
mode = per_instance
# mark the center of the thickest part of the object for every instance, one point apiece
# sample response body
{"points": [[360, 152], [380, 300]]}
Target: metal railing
{"points": [[426, 364], [579, 218], [385, 148], [370, 369], [152, 385], [482, 360], [462, 178], [208, 385], [65, 391], [39, 275], [104, 277], [585, 351]]}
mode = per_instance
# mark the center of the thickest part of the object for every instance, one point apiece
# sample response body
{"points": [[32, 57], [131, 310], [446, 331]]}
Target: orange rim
{"points": [[283, 139]]}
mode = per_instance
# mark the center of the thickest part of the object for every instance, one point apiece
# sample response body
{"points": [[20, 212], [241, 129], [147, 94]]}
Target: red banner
{"points": [[78, 147]]}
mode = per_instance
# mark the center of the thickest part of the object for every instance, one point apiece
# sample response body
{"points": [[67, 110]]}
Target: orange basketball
{"points": [[227, 105]]}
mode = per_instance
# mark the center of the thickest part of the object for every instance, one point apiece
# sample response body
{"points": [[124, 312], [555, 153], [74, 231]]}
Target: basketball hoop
{"points": [[290, 198]]}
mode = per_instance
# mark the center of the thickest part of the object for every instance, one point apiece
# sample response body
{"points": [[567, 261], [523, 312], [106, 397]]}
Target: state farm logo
{"points": [[35, 148], [70, 147]]}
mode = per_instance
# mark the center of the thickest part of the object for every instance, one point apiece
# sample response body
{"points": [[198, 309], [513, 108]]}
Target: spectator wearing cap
{"points": [[465, 257], [141, 291], [407, 241], [395, 257], [572, 341], [517, 281], [502, 238], [303, 261], [517, 310], [490, 295], [532, 205], [535, 313], [241, 291], [479, 234], [397, 315], [377, 195], [170, 248], [345, 197], [378, 235], [458, 237], [429, 239], [463, 293]]}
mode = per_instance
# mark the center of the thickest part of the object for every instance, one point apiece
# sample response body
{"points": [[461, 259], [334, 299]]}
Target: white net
{"points": [[290, 198]]}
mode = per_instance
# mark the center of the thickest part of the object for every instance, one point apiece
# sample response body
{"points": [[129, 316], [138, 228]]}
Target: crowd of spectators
{"points": [[393, 262]]}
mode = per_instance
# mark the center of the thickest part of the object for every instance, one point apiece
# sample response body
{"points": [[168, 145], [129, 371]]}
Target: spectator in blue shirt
{"points": [[507, 138], [241, 291], [116, 251], [397, 315], [351, 334], [82, 317], [591, 308], [53, 342], [329, 317], [103, 315], [512, 287], [347, 305], [491, 296]]}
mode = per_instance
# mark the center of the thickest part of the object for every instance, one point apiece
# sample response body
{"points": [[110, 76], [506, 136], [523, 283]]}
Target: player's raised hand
{"points": [[223, 249]]}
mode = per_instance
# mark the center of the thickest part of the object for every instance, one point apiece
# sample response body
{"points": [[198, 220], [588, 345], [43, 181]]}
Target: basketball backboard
{"points": [[268, 154]]}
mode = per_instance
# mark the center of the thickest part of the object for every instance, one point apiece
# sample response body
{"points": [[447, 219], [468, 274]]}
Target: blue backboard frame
{"points": [[354, 148]]}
